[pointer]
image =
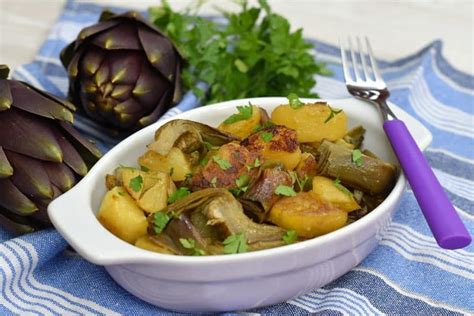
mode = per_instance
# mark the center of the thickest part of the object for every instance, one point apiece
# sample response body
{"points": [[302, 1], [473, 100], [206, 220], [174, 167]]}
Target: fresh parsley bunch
{"points": [[251, 53]]}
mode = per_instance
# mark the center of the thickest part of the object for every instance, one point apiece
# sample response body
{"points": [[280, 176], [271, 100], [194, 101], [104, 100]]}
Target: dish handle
{"points": [[71, 216]]}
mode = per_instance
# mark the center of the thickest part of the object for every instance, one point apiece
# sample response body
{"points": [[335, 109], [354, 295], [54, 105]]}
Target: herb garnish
{"points": [[266, 48], [357, 157], [255, 164], [136, 183], [160, 220], [235, 244], [214, 182], [189, 243], [245, 112], [301, 182], [204, 161], [242, 185], [295, 102], [143, 168], [178, 194], [259, 127], [266, 136], [332, 114], [290, 236], [285, 190], [340, 187], [223, 164]]}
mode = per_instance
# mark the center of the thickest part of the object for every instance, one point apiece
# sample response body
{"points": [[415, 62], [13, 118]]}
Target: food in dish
{"points": [[257, 181]]}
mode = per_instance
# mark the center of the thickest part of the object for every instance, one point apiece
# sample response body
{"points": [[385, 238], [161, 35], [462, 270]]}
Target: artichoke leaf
{"points": [[6, 99], [12, 199], [4, 71], [6, 169], [28, 100], [15, 224], [30, 177], [83, 145], [37, 139], [65, 103], [355, 136], [70, 155], [60, 175], [120, 36]]}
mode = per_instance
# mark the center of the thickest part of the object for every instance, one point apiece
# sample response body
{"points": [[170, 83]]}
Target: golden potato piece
{"points": [[243, 128], [121, 216], [307, 215], [308, 122], [175, 163], [324, 189], [276, 143]]}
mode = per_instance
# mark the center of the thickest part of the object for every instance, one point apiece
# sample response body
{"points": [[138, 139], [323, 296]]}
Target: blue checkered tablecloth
{"points": [[407, 274]]}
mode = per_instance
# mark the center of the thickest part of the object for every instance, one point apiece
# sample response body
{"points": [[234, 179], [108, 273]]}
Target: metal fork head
{"points": [[367, 84]]}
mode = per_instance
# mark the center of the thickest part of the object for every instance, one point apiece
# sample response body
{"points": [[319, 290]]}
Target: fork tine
{"points": [[345, 65], [362, 58], [373, 63], [354, 61]]}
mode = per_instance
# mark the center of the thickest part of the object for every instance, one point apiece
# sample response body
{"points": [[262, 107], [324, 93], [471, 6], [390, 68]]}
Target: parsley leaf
{"points": [[235, 244], [160, 220], [223, 164], [285, 190], [290, 236], [265, 48], [332, 114], [295, 102], [242, 181], [245, 112], [266, 136], [136, 183], [255, 164], [204, 161], [301, 182], [178, 194], [259, 127], [340, 187], [189, 243], [143, 168], [357, 157]]}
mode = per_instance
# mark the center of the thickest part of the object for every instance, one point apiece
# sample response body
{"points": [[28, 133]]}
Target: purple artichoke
{"points": [[41, 154], [123, 71]]}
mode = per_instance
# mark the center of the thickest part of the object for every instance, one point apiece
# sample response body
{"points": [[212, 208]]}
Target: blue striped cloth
{"points": [[407, 274]]}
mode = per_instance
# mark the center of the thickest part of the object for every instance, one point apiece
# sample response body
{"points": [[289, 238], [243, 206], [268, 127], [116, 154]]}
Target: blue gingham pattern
{"points": [[407, 274]]}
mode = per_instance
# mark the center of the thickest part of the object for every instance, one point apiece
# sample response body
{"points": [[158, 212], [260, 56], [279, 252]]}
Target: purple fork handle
{"points": [[443, 220]]}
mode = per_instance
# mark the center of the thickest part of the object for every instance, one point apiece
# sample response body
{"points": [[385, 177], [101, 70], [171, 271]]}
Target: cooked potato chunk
{"points": [[175, 163], [243, 128], [120, 214], [307, 215], [276, 143], [324, 189], [156, 198], [309, 122]]}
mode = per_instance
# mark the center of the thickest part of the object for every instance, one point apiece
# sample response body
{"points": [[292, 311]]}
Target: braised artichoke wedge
{"points": [[373, 175], [188, 136]]}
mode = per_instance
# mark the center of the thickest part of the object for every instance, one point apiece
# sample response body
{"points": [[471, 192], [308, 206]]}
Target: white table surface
{"points": [[396, 28]]}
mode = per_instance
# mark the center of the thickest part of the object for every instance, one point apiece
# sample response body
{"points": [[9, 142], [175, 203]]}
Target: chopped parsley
{"points": [[301, 182], [207, 145], [136, 183], [255, 164], [332, 114], [266, 136], [244, 113], [290, 236], [340, 187], [285, 190], [235, 244], [204, 161], [160, 220], [223, 164], [259, 127], [143, 168], [242, 185], [357, 157], [295, 102], [178, 194], [190, 244]]}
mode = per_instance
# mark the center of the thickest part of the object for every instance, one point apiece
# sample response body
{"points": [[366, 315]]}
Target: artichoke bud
{"points": [[123, 71], [41, 154]]}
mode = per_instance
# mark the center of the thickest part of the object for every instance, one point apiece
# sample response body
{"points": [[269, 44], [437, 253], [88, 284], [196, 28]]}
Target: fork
{"points": [[443, 220]]}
